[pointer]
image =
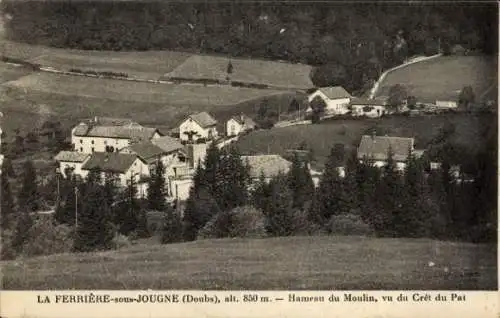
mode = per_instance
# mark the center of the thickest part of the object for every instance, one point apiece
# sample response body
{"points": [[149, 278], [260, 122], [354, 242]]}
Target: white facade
{"points": [[400, 166], [76, 167], [446, 104], [180, 188], [338, 106], [373, 112], [189, 125], [233, 127]]}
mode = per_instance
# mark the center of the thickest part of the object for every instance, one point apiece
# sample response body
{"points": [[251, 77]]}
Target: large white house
{"points": [[376, 148], [239, 124], [367, 107], [109, 135], [197, 126], [336, 98]]}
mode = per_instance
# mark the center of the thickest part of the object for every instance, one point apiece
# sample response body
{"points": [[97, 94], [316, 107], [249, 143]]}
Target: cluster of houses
{"points": [[340, 102]]}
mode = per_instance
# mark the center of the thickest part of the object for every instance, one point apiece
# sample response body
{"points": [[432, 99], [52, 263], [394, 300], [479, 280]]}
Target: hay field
{"points": [[324, 263], [444, 77]]}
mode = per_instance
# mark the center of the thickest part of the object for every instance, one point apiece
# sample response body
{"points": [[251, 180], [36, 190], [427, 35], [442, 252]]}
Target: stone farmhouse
{"points": [[336, 98], [198, 126]]}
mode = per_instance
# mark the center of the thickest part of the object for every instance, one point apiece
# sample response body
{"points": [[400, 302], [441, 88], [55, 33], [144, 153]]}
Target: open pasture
{"points": [[444, 77], [296, 263]]}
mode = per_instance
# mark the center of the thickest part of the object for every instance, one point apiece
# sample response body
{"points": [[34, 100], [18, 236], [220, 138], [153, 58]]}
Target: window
{"points": [[92, 142], [81, 141], [233, 129], [105, 142], [92, 149], [81, 149]]}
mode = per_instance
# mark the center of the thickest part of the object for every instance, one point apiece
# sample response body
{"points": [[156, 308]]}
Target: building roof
{"points": [[146, 150], [111, 121], [377, 147], [269, 165], [71, 156], [367, 102], [244, 120], [203, 119], [167, 144], [334, 92], [131, 131], [110, 162]]}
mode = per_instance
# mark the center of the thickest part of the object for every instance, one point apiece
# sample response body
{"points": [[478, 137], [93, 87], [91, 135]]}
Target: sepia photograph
{"points": [[249, 145]]}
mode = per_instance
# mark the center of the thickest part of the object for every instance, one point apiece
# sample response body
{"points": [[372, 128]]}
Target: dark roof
{"points": [[71, 156], [131, 131], [203, 119], [146, 150], [110, 162], [335, 92], [377, 147], [167, 144], [367, 102]]}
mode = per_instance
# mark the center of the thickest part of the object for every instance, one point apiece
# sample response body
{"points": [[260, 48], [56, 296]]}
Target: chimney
{"points": [[95, 119], [242, 118]]}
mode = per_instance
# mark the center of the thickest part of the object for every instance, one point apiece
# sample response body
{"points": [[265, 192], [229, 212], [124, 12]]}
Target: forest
{"points": [[353, 42]]}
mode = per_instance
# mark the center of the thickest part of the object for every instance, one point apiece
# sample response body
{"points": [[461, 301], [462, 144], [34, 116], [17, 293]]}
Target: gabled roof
{"points": [[367, 102], [244, 120], [377, 147], [132, 131], [147, 151], [110, 162], [203, 119], [167, 144], [334, 92], [71, 156], [269, 165]]}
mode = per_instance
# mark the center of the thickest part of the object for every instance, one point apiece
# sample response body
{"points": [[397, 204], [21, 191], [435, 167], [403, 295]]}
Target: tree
{"points": [[318, 106], [231, 181], [466, 97], [294, 106], [280, 212], [412, 102], [397, 95], [7, 202], [200, 208], [172, 228], [128, 213], [24, 222], [28, 197], [156, 188], [300, 182], [65, 211]]}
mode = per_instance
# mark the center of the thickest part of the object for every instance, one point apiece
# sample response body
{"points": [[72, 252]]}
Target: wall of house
{"points": [[180, 188], [77, 166], [333, 106], [191, 125], [233, 128], [97, 144], [376, 111], [137, 169], [446, 104], [400, 166]]}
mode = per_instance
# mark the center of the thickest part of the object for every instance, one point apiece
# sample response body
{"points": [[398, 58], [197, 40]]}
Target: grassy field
{"points": [[323, 263], [11, 72], [444, 77], [321, 137]]}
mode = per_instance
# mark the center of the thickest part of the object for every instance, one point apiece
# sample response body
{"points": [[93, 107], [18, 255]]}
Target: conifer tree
{"points": [[172, 228], [127, 212], [7, 202], [65, 211], [261, 193], [28, 197], [208, 179], [232, 178], [200, 208], [156, 188], [24, 222], [329, 190], [300, 182], [280, 211]]}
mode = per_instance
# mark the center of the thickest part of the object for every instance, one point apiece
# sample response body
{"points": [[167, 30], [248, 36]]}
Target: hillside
{"points": [[321, 137], [323, 263], [443, 78]]}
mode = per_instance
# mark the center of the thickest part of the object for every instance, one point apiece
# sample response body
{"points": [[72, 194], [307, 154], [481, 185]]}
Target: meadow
{"points": [[444, 77], [325, 263], [321, 137], [10, 72]]}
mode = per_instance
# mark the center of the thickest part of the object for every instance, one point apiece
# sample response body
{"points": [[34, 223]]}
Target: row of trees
{"points": [[353, 43]]}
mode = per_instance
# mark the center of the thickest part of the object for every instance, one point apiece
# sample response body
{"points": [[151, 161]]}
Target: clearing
{"points": [[324, 263], [321, 137], [444, 77]]}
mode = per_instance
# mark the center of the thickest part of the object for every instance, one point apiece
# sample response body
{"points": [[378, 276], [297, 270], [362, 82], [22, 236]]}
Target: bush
{"points": [[349, 224], [302, 224], [155, 221], [244, 221], [6, 250], [45, 238], [120, 241]]}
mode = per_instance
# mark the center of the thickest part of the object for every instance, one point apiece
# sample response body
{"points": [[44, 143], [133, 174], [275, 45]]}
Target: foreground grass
{"points": [[267, 264], [321, 137]]}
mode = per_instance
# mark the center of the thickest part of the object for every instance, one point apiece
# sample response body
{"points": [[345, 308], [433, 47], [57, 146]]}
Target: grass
{"points": [[444, 77], [323, 263], [11, 72], [321, 137]]}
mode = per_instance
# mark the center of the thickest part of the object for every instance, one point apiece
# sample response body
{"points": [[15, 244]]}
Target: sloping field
{"points": [[321, 137], [277, 74], [10, 72], [444, 77], [168, 94], [325, 263], [145, 65]]}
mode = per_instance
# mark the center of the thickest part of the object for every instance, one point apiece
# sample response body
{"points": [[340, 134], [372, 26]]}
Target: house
{"points": [[198, 126], [458, 49], [446, 104], [104, 134], [126, 167], [239, 124], [336, 98], [367, 107], [71, 160], [376, 148], [267, 165]]}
